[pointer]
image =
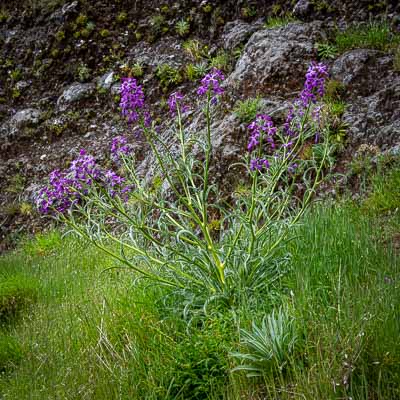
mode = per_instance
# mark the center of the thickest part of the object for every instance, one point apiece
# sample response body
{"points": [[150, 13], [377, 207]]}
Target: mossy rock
{"points": [[16, 294]]}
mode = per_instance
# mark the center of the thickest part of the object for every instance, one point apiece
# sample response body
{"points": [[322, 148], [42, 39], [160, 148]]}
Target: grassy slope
{"points": [[94, 335]]}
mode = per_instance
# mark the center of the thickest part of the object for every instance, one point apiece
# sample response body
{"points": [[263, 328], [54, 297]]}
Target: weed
{"points": [[195, 49], [269, 346], [182, 27], [168, 76], [326, 51], [83, 72], [276, 22], [221, 61], [104, 33], [122, 17], [246, 110]]}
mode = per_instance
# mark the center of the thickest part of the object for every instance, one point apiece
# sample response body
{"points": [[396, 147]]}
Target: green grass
{"points": [[373, 35], [94, 335]]}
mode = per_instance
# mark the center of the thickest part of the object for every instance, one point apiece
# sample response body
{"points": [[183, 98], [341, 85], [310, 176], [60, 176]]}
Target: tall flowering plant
{"points": [[174, 238]]}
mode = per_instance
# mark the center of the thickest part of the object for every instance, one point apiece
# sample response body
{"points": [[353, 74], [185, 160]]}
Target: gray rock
{"points": [[362, 70], [75, 93], [238, 32], [275, 60], [21, 85], [376, 119], [29, 117], [302, 8], [116, 89], [105, 81], [18, 125]]}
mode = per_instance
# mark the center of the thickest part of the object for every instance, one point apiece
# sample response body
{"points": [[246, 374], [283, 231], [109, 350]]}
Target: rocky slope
{"points": [[61, 62]]}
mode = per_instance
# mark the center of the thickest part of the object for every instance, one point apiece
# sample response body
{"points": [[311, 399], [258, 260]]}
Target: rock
{"points": [[21, 85], [105, 82], [29, 117], [237, 32], [361, 70], [376, 119], [275, 60], [116, 89], [302, 8], [20, 123], [75, 93]]}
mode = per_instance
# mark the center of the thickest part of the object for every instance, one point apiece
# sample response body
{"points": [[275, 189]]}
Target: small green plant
{"points": [[60, 35], [248, 12], [207, 8], [268, 347], [326, 51], [83, 72], [16, 93], [4, 15], [276, 22], [158, 25], [16, 293], [246, 110], [168, 76], [81, 20], [334, 90], [182, 27], [137, 70], [195, 49], [104, 33], [15, 75], [122, 17], [221, 61]]}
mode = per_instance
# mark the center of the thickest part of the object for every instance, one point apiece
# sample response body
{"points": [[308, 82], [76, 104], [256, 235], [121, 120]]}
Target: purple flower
{"points": [[211, 83], [257, 164], [119, 148], [261, 127], [67, 188], [132, 99], [174, 102], [314, 85]]}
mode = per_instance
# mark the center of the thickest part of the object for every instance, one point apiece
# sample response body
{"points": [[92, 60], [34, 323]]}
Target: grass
{"points": [[373, 35], [94, 335]]}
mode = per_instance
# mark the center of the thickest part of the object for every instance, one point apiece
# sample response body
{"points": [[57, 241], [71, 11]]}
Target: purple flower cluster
{"points": [[119, 148], [175, 101], [211, 83], [314, 85], [258, 164], [261, 128], [66, 188], [132, 99]]}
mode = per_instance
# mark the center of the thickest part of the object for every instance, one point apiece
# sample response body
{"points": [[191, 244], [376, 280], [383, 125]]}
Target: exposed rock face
{"points": [[238, 32], [75, 93], [373, 93], [274, 59]]}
